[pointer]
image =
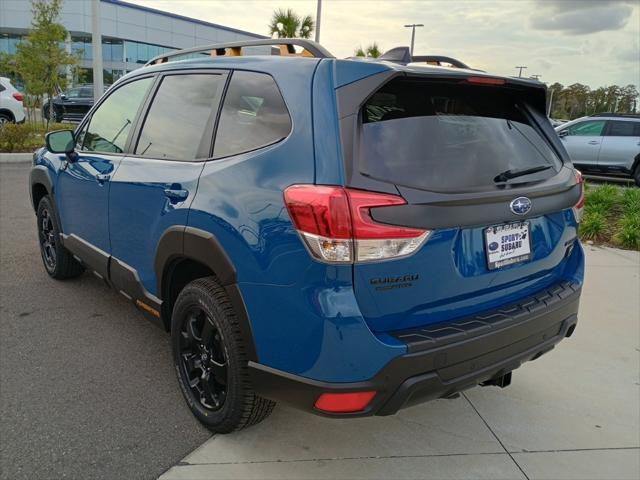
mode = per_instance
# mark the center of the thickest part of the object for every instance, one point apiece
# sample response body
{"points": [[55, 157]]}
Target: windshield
{"points": [[450, 137]]}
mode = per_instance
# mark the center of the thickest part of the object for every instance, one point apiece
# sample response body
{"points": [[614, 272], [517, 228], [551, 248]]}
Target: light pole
{"points": [[318, 15], [96, 46], [413, 33], [520, 67]]}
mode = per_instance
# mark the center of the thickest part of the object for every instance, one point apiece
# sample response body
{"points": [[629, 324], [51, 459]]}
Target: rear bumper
{"points": [[446, 359]]}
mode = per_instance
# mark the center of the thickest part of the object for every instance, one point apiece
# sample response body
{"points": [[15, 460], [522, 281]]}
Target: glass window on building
{"points": [[9, 42]]}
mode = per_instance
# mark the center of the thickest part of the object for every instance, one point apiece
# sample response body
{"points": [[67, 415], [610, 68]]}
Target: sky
{"points": [[594, 42]]}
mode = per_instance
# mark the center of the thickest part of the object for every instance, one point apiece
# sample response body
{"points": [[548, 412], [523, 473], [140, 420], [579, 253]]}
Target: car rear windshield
{"points": [[447, 137]]}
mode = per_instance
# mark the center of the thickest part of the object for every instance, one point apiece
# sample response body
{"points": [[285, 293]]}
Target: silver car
{"points": [[605, 143]]}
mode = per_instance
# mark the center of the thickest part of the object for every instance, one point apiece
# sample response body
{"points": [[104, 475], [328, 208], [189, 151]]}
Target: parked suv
{"points": [[348, 237], [11, 107], [606, 143], [72, 104]]}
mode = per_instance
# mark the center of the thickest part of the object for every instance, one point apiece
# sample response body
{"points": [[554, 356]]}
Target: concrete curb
{"points": [[16, 157]]}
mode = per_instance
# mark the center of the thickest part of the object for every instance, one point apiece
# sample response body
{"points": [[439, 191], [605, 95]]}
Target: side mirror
{"points": [[61, 141], [563, 133], [63, 96]]}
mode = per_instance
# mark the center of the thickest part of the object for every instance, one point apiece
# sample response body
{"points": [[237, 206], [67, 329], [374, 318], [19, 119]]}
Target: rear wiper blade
{"points": [[509, 174]]}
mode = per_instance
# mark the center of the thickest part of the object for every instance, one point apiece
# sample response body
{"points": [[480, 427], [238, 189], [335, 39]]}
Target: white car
{"points": [[608, 143], [11, 107]]}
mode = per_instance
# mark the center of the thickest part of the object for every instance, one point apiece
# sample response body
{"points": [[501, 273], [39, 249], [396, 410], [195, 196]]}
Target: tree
{"points": [[372, 51], [288, 24], [578, 100], [41, 58]]}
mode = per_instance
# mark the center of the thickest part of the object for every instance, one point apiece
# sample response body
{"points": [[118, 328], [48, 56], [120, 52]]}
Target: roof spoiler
{"points": [[402, 56], [286, 47]]}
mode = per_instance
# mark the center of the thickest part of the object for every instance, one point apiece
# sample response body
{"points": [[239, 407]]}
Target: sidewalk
{"points": [[572, 414], [16, 157]]}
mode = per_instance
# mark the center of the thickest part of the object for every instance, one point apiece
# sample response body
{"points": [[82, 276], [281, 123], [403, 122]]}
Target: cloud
{"points": [[581, 17]]}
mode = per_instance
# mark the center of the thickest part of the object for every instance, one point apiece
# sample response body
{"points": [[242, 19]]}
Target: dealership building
{"points": [[131, 34]]}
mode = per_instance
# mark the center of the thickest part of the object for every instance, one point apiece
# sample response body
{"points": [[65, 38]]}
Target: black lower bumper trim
{"points": [[449, 367]]}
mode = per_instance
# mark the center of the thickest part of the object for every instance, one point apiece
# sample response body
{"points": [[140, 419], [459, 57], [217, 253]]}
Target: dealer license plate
{"points": [[507, 244]]}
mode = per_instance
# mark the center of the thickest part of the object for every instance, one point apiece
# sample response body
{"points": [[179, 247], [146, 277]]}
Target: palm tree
{"points": [[288, 24], [372, 51]]}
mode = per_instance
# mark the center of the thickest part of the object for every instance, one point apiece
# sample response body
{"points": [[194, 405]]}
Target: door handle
{"points": [[103, 177], [594, 142], [176, 195]]}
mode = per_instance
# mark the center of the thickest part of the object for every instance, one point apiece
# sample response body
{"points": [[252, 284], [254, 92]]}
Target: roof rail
{"points": [[610, 114], [234, 49], [402, 56]]}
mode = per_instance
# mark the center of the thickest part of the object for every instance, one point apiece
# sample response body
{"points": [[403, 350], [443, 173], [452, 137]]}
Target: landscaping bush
{"points": [[612, 216], [594, 226], [25, 137]]}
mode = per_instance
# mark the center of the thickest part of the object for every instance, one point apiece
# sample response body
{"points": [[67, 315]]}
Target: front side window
{"points": [[111, 123], [179, 124], [587, 129], [619, 128], [253, 115]]}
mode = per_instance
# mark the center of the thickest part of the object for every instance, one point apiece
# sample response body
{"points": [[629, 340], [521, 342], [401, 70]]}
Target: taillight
{"points": [[578, 208], [18, 96], [337, 227], [344, 402]]}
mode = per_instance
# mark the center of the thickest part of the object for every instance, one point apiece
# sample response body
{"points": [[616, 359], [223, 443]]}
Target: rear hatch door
{"points": [[475, 160]]}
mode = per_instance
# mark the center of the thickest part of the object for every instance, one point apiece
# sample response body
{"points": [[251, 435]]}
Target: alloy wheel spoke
{"points": [[219, 372], [207, 331], [210, 392], [192, 329]]}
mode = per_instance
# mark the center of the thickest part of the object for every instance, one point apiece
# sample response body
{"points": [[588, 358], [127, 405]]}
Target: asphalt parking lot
{"points": [[87, 391], [86, 384]]}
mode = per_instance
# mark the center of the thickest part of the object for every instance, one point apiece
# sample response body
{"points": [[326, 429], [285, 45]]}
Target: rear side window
{"points": [[593, 128], [111, 123], [449, 137], [253, 115], [179, 124], [623, 129]]}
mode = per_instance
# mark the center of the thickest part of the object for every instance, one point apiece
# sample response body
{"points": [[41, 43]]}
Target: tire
{"points": [[636, 175], [5, 118], [210, 359], [58, 261]]}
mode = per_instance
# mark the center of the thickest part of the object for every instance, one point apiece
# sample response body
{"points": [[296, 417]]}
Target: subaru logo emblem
{"points": [[520, 206]]}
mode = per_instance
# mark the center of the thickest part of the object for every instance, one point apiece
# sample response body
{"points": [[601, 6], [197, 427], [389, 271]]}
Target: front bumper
{"points": [[444, 359]]}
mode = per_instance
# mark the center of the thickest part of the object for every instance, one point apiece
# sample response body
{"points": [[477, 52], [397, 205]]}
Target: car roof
{"points": [[258, 62]]}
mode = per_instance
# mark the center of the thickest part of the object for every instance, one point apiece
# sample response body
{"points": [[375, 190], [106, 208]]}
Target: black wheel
{"points": [[210, 360], [5, 118], [57, 260], [636, 175]]}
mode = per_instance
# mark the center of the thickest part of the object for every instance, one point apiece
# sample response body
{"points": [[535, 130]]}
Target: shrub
{"points": [[25, 137], [602, 199], [593, 226], [631, 201], [628, 234]]}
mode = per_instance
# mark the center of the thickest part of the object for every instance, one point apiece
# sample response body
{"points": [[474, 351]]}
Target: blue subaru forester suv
{"points": [[346, 236]]}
